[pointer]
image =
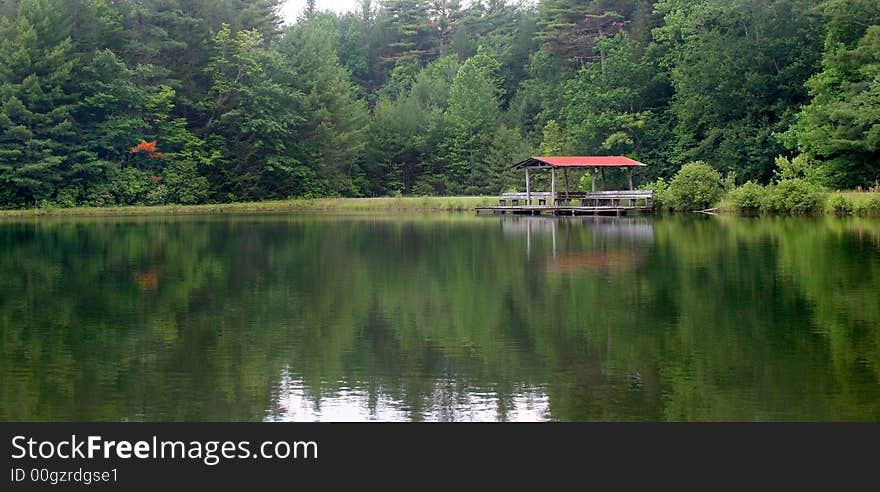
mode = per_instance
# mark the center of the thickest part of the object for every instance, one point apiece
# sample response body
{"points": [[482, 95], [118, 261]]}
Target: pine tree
{"points": [[411, 37], [445, 18], [570, 28], [471, 119], [254, 113], [37, 129], [332, 135]]}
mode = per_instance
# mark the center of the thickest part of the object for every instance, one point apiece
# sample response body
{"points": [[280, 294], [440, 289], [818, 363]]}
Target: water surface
{"points": [[439, 318]]}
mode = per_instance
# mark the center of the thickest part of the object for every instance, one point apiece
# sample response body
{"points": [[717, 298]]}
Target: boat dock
{"points": [[576, 203], [567, 202]]}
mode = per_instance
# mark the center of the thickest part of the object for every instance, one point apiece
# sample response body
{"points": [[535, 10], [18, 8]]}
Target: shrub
{"points": [[794, 196], [67, 197], [130, 186], [840, 205], [185, 185], [158, 195], [748, 197], [799, 167], [871, 206], [99, 196], [696, 186], [660, 188], [874, 204]]}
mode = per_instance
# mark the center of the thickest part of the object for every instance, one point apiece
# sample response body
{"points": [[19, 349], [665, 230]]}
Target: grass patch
{"points": [[751, 199], [389, 204], [853, 202]]}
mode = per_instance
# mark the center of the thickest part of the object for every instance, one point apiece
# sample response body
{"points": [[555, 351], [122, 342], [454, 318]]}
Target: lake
{"points": [[439, 318]]}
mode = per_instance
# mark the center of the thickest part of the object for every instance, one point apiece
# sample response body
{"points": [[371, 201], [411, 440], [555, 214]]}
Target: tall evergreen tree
{"points": [[38, 94], [331, 137], [255, 113], [411, 39], [471, 120], [570, 28]]}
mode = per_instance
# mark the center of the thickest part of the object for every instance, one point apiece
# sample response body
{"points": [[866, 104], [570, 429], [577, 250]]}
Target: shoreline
{"points": [[423, 204], [382, 204]]}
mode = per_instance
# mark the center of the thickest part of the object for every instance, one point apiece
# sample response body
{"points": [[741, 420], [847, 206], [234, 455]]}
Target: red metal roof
{"points": [[581, 161]]}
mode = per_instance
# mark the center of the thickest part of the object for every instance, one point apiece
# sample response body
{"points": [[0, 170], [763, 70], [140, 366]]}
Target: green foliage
{"points": [[425, 97], [603, 111], [404, 135], [749, 197], [332, 135], [508, 146], [553, 141], [470, 121], [796, 196], [871, 206], [696, 186], [738, 70], [801, 167], [661, 192], [184, 183], [37, 99], [840, 204], [255, 112], [841, 124]]}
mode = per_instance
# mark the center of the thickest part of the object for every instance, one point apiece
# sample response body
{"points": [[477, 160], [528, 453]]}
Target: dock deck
{"points": [[591, 203], [565, 210]]}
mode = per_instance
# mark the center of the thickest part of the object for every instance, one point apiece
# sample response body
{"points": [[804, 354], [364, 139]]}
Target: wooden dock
{"points": [[590, 203]]}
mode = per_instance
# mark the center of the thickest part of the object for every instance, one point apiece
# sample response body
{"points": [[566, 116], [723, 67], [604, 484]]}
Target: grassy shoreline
{"points": [[385, 204], [835, 203], [862, 204]]}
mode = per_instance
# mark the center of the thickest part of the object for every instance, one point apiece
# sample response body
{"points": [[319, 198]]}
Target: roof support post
{"points": [[604, 184], [593, 178], [553, 186], [565, 176], [528, 190], [629, 172]]}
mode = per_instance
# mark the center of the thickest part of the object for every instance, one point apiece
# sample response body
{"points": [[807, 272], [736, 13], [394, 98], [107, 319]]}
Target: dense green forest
{"points": [[191, 101]]}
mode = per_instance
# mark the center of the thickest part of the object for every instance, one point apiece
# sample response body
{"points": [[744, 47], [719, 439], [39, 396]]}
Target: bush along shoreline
{"points": [[796, 189]]}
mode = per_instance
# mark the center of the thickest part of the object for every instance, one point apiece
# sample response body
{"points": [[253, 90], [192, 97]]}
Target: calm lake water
{"points": [[439, 318]]}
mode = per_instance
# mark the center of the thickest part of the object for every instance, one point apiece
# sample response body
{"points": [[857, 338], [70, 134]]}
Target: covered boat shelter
{"points": [[577, 202], [593, 163]]}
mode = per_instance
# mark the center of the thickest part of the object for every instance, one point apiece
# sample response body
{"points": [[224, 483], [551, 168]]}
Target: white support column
{"points": [[593, 178], [565, 174], [630, 176], [552, 187], [528, 189]]}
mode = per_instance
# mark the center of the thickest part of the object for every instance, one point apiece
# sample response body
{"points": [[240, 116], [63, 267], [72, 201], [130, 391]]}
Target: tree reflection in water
{"points": [[440, 318]]}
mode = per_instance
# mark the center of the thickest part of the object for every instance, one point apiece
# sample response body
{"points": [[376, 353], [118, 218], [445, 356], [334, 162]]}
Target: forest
{"points": [[148, 102]]}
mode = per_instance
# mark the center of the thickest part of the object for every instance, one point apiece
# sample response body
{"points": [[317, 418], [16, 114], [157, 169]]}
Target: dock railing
{"points": [[606, 198], [574, 203], [512, 199], [581, 199]]}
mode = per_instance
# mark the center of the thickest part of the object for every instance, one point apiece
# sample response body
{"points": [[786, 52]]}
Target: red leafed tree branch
{"points": [[149, 148]]}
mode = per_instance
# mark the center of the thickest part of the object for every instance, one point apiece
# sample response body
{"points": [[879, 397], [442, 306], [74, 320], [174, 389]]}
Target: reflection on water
{"points": [[440, 318], [448, 404]]}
